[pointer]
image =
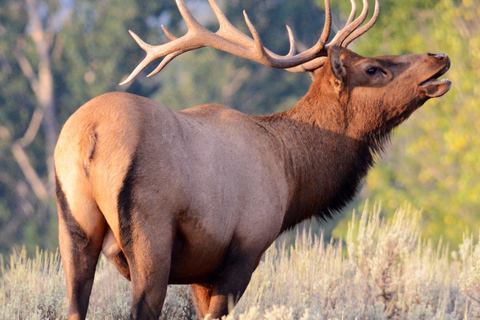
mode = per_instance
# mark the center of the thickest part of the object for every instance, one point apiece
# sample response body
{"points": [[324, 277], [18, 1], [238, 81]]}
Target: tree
{"points": [[31, 93], [64, 53]]}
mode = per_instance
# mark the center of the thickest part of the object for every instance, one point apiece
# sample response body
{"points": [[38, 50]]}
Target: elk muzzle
{"points": [[432, 87]]}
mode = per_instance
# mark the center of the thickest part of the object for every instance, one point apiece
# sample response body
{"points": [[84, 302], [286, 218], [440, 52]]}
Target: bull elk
{"points": [[197, 196]]}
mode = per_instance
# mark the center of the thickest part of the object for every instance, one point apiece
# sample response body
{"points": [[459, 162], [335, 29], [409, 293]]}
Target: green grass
{"points": [[383, 270]]}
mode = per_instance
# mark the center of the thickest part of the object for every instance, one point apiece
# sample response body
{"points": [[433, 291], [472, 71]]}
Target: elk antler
{"points": [[231, 40]]}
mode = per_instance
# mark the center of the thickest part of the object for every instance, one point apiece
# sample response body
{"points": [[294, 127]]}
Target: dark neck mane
{"points": [[324, 164]]}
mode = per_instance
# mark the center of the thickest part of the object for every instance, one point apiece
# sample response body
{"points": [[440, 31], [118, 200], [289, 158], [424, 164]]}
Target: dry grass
{"points": [[384, 270]]}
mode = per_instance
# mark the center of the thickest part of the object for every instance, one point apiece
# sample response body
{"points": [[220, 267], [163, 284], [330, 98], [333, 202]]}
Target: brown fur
{"points": [[197, 196]]}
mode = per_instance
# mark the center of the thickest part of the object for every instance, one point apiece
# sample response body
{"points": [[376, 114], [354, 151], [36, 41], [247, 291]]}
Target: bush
{"points": [[384, 270]]}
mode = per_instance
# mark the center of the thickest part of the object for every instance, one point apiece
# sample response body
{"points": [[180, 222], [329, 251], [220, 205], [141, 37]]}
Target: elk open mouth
{"points": [[434, 78], [435, 87]]}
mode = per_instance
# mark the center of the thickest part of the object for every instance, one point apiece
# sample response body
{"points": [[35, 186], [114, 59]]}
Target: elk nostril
{"points": [[438, 56]]}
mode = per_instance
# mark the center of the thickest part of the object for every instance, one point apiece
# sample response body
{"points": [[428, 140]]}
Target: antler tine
{"points": [[349, 28], [226, 29], [192, 23], [258, 47], [145, 62], [352, 13], [155, 52], [327, 26], [357, 33], [164, 62], [169, 57], [317, 61], [291, 39], [320, 45], [168, 34]]}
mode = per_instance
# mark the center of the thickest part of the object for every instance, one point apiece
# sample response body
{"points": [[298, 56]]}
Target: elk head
{"points": [[376, 94]]}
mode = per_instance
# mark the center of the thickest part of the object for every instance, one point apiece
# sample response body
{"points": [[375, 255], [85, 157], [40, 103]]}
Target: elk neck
{"points": [[324, 154]]}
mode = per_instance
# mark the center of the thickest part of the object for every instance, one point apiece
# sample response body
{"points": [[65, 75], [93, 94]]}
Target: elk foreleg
{"points": [[227, 292], [201, 295], [230, 284]]}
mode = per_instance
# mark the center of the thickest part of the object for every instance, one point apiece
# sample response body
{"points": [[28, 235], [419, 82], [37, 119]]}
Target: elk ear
{"points": [[337, 66]]}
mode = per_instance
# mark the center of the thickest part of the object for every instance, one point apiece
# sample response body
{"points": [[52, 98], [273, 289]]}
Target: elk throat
{"points": [[324, 167]]}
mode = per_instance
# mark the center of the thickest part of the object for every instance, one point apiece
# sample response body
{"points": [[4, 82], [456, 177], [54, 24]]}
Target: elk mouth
{"points": [[433, 87]]}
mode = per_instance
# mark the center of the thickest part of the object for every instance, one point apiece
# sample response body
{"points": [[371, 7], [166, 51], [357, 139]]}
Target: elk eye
{"points": [[372, 71]]}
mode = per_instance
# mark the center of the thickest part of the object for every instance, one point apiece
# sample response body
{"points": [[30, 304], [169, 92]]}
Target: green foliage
{"points": [[434, 161], [15, 111], [97, 50], [90, 53]]}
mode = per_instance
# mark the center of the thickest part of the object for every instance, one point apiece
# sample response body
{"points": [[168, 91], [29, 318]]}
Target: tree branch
{"points": [[27, 169], [26, 67], [4, 133], [22, 159], [43, 40], [236, 83], [37, 30], [32, 129]]}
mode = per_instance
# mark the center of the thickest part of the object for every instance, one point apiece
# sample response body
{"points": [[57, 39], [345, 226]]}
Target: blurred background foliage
{"points": [[57, 54], [434, 160]]}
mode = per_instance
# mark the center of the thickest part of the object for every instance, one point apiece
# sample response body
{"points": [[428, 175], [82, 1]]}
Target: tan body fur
{"points": [[197, 196], [200, 179]]}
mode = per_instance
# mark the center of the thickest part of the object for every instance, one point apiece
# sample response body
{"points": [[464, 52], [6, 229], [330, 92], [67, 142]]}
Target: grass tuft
{"points": [[383, 270]]}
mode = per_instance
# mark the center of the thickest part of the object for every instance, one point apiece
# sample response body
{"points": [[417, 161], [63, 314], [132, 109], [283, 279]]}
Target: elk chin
{"points": [[434, 88]]}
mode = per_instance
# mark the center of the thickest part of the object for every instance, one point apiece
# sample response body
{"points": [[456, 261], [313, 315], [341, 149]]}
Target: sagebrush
{"points": [[383, 270]]}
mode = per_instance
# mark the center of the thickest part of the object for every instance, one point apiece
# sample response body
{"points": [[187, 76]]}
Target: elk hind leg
{"points": [[150, 269], [80, 247]]}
